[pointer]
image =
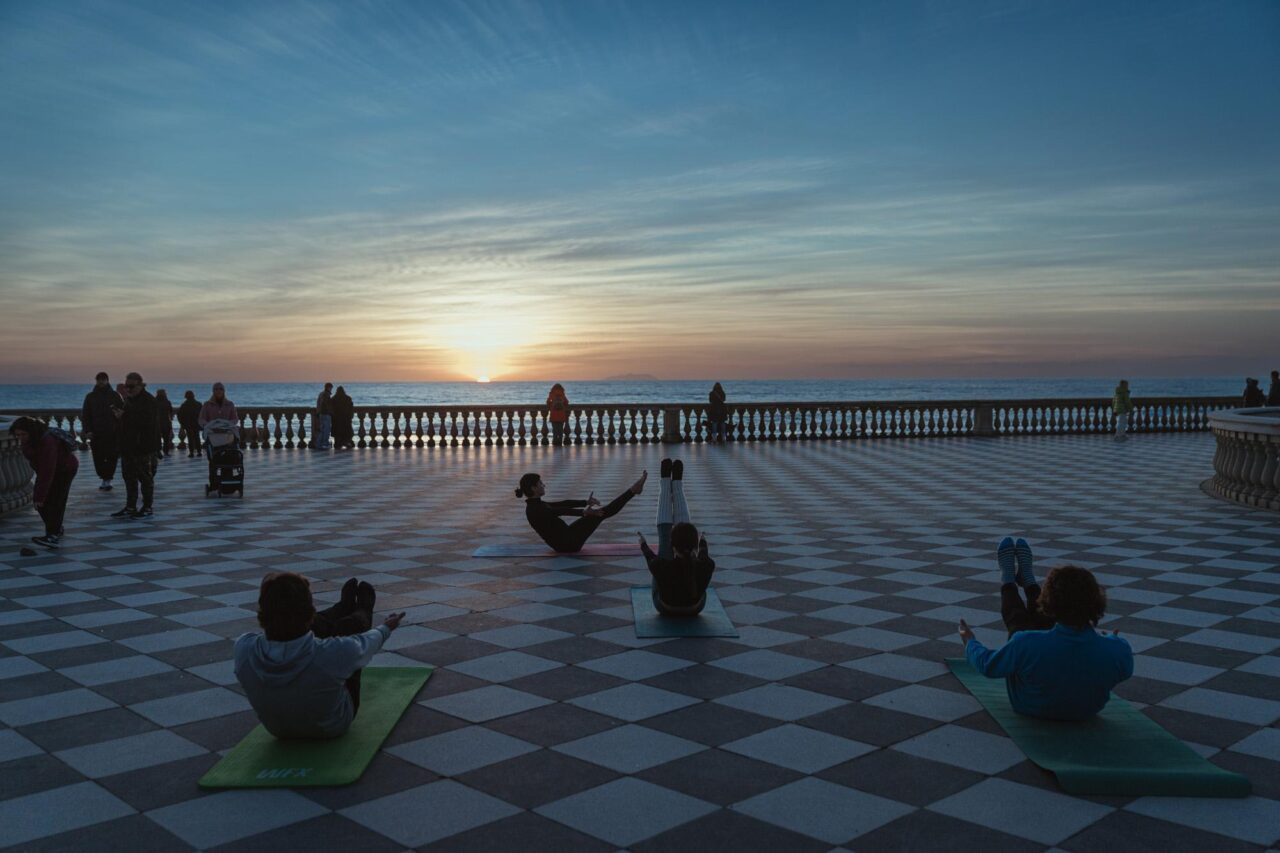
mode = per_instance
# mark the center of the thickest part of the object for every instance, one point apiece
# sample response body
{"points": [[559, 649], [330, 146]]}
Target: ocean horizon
{"points": [[15, 397]]}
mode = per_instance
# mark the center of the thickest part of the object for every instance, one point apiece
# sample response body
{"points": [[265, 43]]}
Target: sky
{"points": [[290, 191]]}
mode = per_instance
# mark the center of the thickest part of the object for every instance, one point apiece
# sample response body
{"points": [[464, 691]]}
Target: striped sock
{"points": [[1004, 559], [1026, 574]]}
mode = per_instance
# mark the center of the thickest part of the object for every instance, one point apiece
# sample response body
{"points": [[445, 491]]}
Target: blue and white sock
{"points": [[1025, 560], [664, 501], [1004, 558]]}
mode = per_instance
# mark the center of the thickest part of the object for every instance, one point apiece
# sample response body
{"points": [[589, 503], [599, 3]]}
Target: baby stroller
{"points": [[226, 462]]}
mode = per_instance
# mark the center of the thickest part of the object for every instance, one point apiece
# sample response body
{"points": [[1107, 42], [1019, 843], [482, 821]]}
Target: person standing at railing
{"points": [[1253, 396], [717, 414], [164, 420], [324, 418], [1273, 395], [343, 411], [98, 426], [558, 408], [189, 422], [1121, 406]]}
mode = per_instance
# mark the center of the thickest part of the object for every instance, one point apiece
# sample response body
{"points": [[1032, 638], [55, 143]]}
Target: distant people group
{"points": [[1253, 397]]}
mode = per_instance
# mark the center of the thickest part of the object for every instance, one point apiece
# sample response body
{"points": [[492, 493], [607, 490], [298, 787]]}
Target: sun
{"points": [[482, 379]]}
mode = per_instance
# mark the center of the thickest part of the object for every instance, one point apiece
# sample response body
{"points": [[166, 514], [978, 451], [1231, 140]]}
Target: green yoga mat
{"points": [[263, 761], [1119, 752], [711, 622]]}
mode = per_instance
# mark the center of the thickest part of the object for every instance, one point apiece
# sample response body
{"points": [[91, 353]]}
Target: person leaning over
{"points": [[53, 457], [302, 673], [98, 426], [139, 444]]}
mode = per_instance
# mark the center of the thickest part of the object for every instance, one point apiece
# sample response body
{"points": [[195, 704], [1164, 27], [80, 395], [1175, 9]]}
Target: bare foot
{"points": [[639, 484]]}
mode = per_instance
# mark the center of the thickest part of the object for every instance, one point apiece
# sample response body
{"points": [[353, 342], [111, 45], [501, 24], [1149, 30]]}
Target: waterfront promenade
{"points": [[830, 722]]}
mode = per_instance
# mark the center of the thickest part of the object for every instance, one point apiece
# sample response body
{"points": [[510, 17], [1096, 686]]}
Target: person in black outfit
{"points": [[717, 414], [98, 427], [139, 443], [1273, 395], [682, 568], [189, 422], [544, 518], [344, 409], [1253, 396]]}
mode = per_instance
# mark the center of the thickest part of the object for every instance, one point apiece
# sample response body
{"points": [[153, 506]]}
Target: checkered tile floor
{"points": [[548, 725]]}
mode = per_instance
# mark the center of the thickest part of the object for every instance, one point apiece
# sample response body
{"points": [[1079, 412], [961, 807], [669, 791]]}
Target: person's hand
{"points": [[966, 633], [591, 512], [591, 500], [641, 537], [393, 620]]}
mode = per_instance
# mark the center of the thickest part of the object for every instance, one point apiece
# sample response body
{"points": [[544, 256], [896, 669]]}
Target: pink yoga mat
{"points": [[537, 549]]}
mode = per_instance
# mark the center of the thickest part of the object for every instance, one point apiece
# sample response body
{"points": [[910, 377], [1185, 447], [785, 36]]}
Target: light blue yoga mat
{"points": [[711, 622]]}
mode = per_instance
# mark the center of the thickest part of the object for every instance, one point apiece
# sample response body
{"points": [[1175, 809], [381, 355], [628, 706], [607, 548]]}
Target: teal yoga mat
{"points": [[711, 622], [1119, 752], [263, 761], [538, 549]]}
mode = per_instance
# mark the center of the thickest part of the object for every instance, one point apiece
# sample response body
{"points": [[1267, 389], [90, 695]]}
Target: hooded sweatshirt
{"points": [[298, 686]]}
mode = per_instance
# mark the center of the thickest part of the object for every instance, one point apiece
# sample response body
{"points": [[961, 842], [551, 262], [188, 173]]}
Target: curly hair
{"points": [[1071, 596], [684, 537], [285, 608]]}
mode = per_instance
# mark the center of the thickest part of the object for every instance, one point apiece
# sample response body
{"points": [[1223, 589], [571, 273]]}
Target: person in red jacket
{"points": [[54, 460], [558, 409]]}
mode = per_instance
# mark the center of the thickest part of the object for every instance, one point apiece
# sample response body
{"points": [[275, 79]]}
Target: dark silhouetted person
{"points": [[717, 414], [682, 568], [1253, 396], [544, 518], [302, 673], [164, 421], [558, 412], [1122, 407], [52, 453], [324, 417], [1273, 394], [189, 422], [139, 443], [1055, 664], [98, 426], [344, 410]]}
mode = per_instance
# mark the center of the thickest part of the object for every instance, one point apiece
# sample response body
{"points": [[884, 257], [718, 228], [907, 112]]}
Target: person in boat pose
{"points": [[545, 517], [682, 568]]}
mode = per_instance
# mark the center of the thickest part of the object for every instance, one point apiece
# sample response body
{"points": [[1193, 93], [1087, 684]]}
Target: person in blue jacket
{"points": [[1055, 665]]}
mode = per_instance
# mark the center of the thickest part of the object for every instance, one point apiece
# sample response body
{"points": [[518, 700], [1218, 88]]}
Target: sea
{"points": [[17, 398]]}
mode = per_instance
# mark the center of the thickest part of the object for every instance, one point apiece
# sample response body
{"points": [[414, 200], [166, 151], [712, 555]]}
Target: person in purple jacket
{"points": [[1055, 665], [54, 460]]}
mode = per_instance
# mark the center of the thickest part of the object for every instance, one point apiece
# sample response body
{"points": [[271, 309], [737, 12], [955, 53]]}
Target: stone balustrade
{"points": [[650, 423], [1246, 463]]}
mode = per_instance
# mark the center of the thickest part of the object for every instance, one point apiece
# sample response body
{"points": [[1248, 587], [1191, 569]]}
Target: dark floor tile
{"points": [[419, 722], [1200, 728], [574, 649], [1246, 683], [710, 723], [1264, 774], [1032, 775], [729, 832], [537, 778], [902, 777], [1134, 833], [554, 724], [69, 732], [450, 651], [584, 623], [823, 651], [704, 682], [327, 832], [1206, 655], [719, 777], [798, 604], [385, 775], [940, 834], [843, 682], [133, 834], [525, 832], [36, 684], [445, 682], [869, 724], [219, 733], [700, 649], [34, 774], [469, 623], [1148, 691], [158, 686], [162, 785], [566, 682], [215, 652], [128, 630]]}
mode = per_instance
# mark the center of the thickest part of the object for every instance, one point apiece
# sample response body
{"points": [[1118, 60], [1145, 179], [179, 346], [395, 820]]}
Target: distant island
{"points": [[632, 377]]}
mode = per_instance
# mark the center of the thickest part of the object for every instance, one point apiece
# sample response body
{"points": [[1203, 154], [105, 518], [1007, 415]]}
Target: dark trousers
{"points": [[1019, 616], [166, 436], [105, 453], [343, 621], [193, 439], [54, 508], [557, 432], [580, 531], [139, 472]]}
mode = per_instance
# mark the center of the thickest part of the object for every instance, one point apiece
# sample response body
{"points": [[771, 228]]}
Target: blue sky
{"points": [[538, 190]]}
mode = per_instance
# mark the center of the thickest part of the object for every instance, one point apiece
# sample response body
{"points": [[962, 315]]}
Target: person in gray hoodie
{"points": [[302, 673]]}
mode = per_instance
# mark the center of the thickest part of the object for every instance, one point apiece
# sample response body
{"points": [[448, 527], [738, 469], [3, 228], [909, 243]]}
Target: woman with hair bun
{"points": [[1055, 665], [545, 519]]}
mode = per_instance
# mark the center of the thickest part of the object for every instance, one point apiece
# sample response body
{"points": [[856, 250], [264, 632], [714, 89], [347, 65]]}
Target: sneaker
{"points": [[348, 599], [47, 541], [127, 512], [104, 486], [365, 596], [145, 512]]}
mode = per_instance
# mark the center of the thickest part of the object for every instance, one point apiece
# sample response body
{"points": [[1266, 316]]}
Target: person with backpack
{"points": [[52, 453], [558, 411], [99, 428]]}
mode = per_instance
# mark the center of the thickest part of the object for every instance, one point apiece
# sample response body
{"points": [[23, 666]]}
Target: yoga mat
{"points": [[1119, 752], [711, 622], [538, 549], [264, 761]]}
